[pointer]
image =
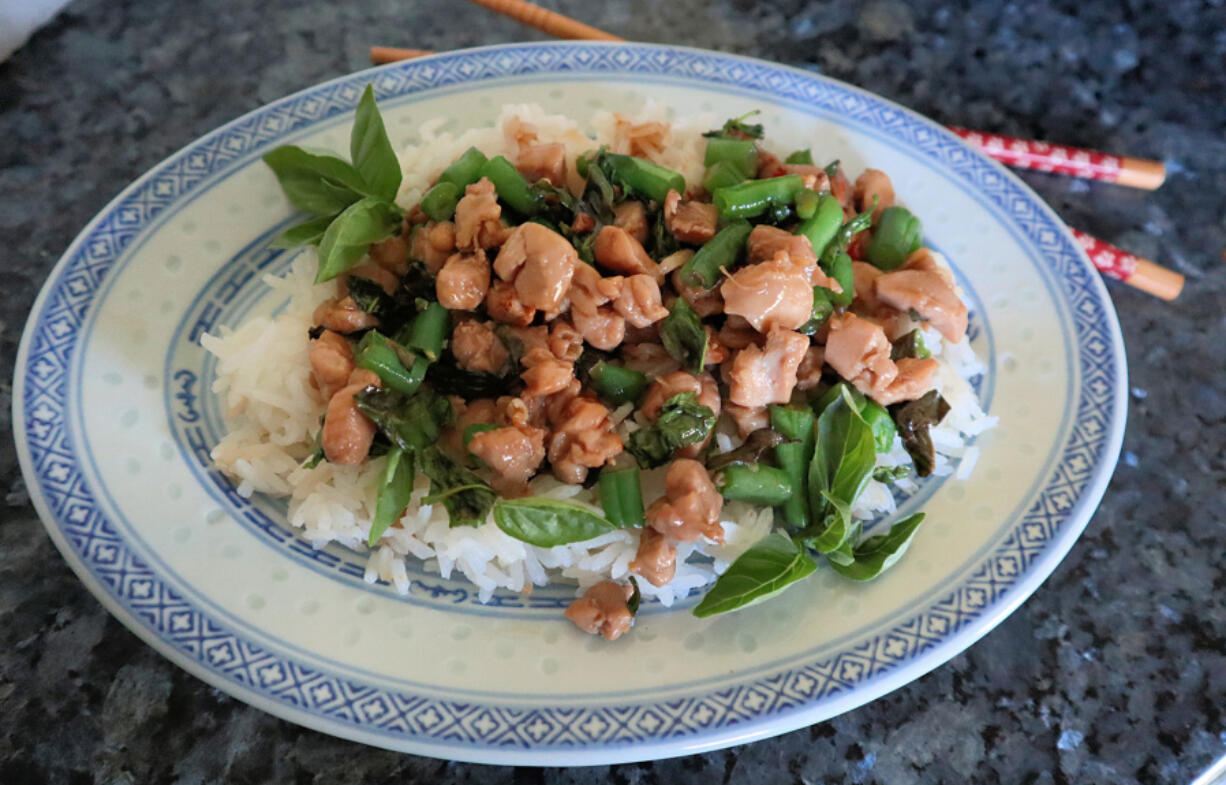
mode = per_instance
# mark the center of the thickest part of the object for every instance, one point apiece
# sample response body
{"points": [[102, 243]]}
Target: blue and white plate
{"points": [[114, 421]]}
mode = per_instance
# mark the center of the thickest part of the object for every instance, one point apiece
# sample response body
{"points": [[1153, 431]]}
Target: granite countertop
{"points": [[1113, 672]]}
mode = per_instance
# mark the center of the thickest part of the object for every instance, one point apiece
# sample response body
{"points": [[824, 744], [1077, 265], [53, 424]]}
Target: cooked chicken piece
{"points": [[347, 433], [477, 218], [770, 295], [765, 243], [479, 410], [631, 217], [545, 375], [543, 162], [512, 453], [675, 383], [748, 418], [463, 282], [331, 363], [873, 182], [768, 375], [616, 250], [639, 301], [769, 165], [929, 295], [864, 276], [915, 377], [386, 279], [809, 374], [541, 264], [738, 333], [602, 609], [656, 558], [582, 439], [502, 303], [433, 244], [478, 348], [690, 222], [692, 506], [717, 352], [392, 254], [925, 259], [705, 302], [814, 177], [565, 341], [649, 358], [858, 350], [582, 223], [343, 316], [590, 309]]}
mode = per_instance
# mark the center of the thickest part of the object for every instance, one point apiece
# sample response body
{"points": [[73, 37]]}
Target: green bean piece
{"points": [[803, 157], [466, 170], [796, 425], [882, 424], [621, 497], [616, 384], [806, 204], [722, 175], [823, 309], [756, 484], [755, 197], [840, 270], [742, 153], [644, 177], [439, 202], [824, 224], [511, 186], [428, 331], [723, 251], [897, 235], [377, 353]]}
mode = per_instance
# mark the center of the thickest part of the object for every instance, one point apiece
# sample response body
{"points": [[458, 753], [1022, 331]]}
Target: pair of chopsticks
{"points": [[1020, 153]]}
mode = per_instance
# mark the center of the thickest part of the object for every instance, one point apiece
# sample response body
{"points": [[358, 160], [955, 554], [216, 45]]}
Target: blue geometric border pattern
{"points": [[472, 729]]}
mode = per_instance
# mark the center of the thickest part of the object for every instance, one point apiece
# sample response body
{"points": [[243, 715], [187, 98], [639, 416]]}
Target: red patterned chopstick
{"points": [[1061, 159]]}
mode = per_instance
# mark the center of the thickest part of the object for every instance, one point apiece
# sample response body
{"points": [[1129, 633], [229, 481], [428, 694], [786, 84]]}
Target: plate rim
{"points": [[757, 727]]}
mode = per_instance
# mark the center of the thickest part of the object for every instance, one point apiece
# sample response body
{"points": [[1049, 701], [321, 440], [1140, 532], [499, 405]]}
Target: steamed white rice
{"points": [[263, 377]]}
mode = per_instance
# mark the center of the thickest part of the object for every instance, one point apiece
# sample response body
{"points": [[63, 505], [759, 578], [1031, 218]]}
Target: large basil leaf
{"points": [[843, 456], [410, 422], [371, 151], [682, 421], [838, 526], [877, 554], [350, 235], [548, 522], [395, 490], [682, 335], [319, 183], [769, 567], [462, 492], [306, 233]]}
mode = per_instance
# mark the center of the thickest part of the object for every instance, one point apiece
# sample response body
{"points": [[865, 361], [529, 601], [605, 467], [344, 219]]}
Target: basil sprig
{"points": [[353, 204]]}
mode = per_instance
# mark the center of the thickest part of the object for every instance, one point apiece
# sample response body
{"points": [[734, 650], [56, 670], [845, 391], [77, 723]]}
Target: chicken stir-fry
{"points": [[596, 317]]}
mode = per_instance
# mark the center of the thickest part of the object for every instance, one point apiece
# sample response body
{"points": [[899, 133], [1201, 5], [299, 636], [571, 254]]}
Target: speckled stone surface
{"points": [[1113, 672]]}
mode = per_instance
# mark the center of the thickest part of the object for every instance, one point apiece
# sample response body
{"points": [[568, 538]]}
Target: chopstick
{"points": [[1061, 159], [1112, 262]]}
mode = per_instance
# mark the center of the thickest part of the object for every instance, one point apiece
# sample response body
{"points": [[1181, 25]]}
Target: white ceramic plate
{"points": [[114, 422]]}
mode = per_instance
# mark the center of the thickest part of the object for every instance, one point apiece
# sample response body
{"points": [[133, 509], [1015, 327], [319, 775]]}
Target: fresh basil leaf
{"points": [[838, 526], [371, 151], [395, 490], [465, 496], [682, 421], [737, 128], [319, 183], [683, 337], [914, 419], [843, 456], [766, 569], [349, 237], [878, 554], [410, 422], [306, 233], [548, 522]]}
